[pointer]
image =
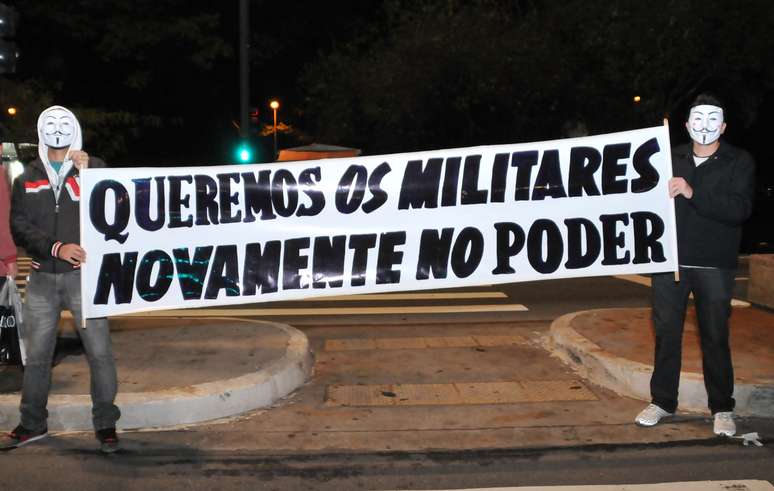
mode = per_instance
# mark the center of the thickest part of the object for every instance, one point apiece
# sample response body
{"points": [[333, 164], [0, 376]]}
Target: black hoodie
{"points": [[709, 225]]}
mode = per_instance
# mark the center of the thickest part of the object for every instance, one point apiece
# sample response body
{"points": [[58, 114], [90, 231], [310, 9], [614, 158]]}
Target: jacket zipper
{"points": [[56, 225], [56, 221]]}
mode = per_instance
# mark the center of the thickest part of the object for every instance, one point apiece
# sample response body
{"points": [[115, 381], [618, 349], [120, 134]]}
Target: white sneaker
{"points": [[724, 424], [651, 415]]}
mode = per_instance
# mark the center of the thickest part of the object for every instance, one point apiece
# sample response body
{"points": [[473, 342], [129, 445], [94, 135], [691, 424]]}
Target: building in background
{"points": [[317, 151]]}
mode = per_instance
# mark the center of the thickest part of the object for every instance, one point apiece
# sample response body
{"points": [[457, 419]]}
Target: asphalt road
{"points": [[71, 462], [191, 469]]}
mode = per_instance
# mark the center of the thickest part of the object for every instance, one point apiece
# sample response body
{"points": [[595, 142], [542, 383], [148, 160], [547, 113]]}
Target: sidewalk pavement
{"points": [[385, 388]]}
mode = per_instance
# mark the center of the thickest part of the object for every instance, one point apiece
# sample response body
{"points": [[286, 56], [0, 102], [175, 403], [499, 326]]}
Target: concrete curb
{"points": [[190, 404], [632, 379]]}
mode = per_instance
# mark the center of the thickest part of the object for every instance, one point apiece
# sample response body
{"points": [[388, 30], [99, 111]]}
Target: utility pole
{"points": [[244, 68]]}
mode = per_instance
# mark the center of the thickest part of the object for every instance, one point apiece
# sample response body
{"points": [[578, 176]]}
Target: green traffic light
{"points": [[244, 154]]}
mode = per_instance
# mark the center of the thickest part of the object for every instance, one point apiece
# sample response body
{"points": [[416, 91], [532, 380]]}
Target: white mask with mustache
{"points": [[58, 128], [705, 123]]}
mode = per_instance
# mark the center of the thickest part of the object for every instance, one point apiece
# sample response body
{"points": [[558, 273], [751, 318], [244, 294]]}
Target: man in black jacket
{"points": [[713, 192], [45, 222]]}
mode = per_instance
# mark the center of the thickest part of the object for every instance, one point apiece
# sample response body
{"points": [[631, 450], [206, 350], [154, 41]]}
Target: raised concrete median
{"points": [[613, 348], [181, 371], [761, 286]]}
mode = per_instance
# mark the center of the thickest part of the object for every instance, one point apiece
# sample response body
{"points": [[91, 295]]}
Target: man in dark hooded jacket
{"points": [[45, 222]]}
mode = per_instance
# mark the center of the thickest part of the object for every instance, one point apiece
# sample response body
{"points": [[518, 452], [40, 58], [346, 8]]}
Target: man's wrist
{"points": [[55, 248]]}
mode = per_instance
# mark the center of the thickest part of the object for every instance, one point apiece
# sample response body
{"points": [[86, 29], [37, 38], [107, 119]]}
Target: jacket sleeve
{"points": [[7, 247], [731, 200], [26, 234]]}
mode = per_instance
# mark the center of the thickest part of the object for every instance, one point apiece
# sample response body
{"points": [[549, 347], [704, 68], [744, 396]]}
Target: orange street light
{"points": [[637, 99], [12, 111], [275, 105]]}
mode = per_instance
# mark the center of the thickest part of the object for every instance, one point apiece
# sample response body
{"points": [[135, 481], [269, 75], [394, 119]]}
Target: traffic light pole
{"points": [[244, 67]]}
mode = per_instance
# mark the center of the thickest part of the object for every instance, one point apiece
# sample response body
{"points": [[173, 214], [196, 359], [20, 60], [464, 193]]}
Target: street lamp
{"points": [[11, 111], [275, 105]]}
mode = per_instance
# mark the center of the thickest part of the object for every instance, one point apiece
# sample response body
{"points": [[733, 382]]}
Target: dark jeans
{"points": [[47, 295], [712, 290]]}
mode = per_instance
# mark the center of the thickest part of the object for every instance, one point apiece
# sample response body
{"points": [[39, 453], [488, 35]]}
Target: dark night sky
{"points": [[197, 106], [448, 73]]}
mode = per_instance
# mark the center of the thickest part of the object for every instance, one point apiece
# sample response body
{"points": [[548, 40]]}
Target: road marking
{"points": [[645, 281], [501, 392], [474, 341], [416, 309], [409, 296], [743, 485], [634, 278]]}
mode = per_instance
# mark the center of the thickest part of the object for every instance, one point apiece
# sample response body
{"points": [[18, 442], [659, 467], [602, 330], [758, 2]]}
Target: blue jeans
{"points": [[47, 295], [712, 291]]}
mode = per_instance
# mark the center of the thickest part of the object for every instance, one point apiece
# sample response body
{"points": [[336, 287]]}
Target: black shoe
{"points": [[108, 440], [21, 436]]}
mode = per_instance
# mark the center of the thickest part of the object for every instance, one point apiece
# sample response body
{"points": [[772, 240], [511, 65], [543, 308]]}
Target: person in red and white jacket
{"points": [[45, 222]]}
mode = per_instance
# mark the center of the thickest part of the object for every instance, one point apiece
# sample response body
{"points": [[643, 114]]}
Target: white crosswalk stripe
{"points": [[743, 485], [316, 311]]}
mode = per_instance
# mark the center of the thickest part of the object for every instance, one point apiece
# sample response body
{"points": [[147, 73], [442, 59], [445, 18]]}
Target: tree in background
{"points": [[444, 73], [132, 71], [156, 80], [29, 99]]}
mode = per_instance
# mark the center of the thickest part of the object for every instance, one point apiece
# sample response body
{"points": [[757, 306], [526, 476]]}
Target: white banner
{"points": [[161, 238]]}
